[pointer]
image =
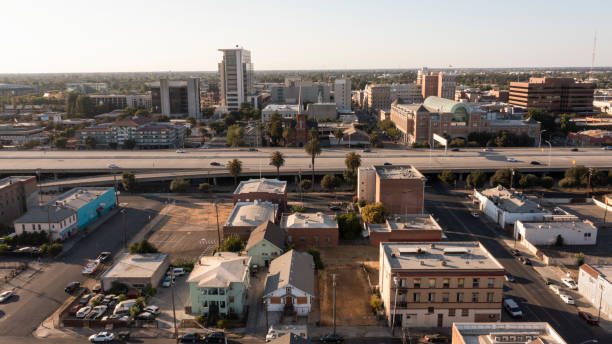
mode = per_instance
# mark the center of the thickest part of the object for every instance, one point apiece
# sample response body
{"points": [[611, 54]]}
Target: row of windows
{"points": [[445, 297], [434, 283]]}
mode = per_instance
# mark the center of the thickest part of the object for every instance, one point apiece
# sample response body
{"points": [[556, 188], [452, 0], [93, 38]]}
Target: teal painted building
{"points": [[218, 284], [266, 242], [89, 203]]}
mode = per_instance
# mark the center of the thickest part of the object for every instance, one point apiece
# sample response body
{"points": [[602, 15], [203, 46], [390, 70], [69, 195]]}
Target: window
{"points": [[212, 291], [205, 303], [231, 299], [451, 312], [416, 297], [402, 283], [33, 227], [476, 283], [288, 290], [431, 297], [459, 297], [460, 282], [302, 239], [587, 235], [430, 310], [491, 282], [474, 297], [221, 291], [489, 297], [23, 227], [289, 239], [222, 304], [416, 283], [445, 283], [445, 297], [465, 312], [38, 226], [432, 282]]}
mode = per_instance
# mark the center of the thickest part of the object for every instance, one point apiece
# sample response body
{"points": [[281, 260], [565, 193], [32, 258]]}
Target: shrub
{"points": [[4, 248], [200, 319], [297, 209], [56, 249], [232, 244], [579, 258], [559, 240], [476, 179], [448, 177], [316, 255], [143, 246], [43, 249], [186, 264], [204, 187], [501, 177], [547, 182], [375, 303], [95, 302], [361, 203], [222, 323], [121, 296], [179, 185], [149, 291], [528, 180], [305, 185], [568, 182], [349, 226], [374, 213]]}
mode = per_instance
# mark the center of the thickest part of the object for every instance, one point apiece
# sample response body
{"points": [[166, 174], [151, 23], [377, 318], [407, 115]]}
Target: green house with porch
{"points": [[266, 242]]}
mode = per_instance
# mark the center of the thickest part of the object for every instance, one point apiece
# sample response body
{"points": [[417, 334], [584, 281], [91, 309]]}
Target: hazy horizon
{"points": [[153, 36]]}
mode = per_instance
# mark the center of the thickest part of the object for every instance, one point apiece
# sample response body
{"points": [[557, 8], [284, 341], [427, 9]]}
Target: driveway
{"points": [[163, 299], [256, 322]]}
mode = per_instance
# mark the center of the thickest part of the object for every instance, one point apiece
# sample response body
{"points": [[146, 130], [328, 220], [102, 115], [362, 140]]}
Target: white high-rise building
{"points": [[235, 77], [342, 93]]}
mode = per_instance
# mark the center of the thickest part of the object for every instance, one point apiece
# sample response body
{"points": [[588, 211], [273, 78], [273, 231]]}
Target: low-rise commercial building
{"points": [[591, 137], [351, 137], [18, 135], [377, 97], [559, 95], [439, 283], [266, 242], [286, 111], [247, 215], [505, 332], [290, 283], [218, 284], [88, 202], [569, 229], [7, 90], [595, 285], [405, 228], [310, 229], [271, 190], [121, 101], [17, 195], [136, 270], [322, 111], [59, 222], [506, 206]]}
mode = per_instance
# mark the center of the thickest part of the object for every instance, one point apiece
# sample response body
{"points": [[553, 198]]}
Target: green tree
{"points": [[352, 161], [316, 256], [375, 303], [277, 160], [569, 182], [143, 246], [84, 106], [566, 124], [275, 128], [90, 142], [375, 140], [31, 144], [330, 182], [501, 177], [386, 124], [128, 180], [288, 135], [179, 185], [129, 144], [457, 142], [476, 179], [55, 249], [232, 244], [204, 187], [350, 178], [145, 113], [235, 168], [305, 185], [338, 134], [374, 213], [313, 148], [60, 142], [349, 226], [235, 136], [547, 182], [528, 180], [112, 145], [448, 177]]}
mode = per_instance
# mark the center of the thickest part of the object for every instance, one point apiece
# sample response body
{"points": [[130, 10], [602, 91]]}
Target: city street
{"points": [[534, 297]]}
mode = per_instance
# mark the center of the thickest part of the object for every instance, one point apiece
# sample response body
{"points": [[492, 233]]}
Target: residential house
{"points": [[59, 222], [266, 242], [290, 283]]}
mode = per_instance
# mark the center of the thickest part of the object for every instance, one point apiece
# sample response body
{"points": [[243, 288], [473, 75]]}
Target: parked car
{"points": [[435, 338], [102, 337], [167, 282], [569, 283], [85, 299], [145, 316], [512, 307], [515, 252], [367, 150], [454, 149], [103, 256], [97, 288], [591, 320], [180, 150], [574, 149], [253, 150], [82, 313], [72, 286], [176, 271], [97, 312], [152, 309], [332, 338], [5, 296], [215, 337], [511, 160], [73, 311], [214, 163], [113, 166], [387, 164], [510, 278], [189, 338], [475, 215], [535, 163], [567, 299]]}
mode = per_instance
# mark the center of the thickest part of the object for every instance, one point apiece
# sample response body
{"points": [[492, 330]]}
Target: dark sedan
{"points": [[591, 320]]}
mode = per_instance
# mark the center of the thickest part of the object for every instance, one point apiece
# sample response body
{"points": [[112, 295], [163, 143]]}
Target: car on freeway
{"points": [[113, 166], [591, 320], [205, 146], [435, 338], [515, 252], [331, 338], [180, 150], [510, 278], [535, 162], [511, 160], [152, 309], [607, 148], [190, 338], [367, 150], [487, 149], [214, 163], [82, 313], [72, 286], [387, 164], [253, 150], [569, 283], [101, 337], [215, 337], [574, 149], [454, 149], [475, 215], [5, 296], [567, 299], [103, 256]]}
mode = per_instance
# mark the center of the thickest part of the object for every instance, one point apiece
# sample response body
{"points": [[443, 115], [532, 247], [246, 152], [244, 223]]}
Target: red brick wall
{"points": [[243, 232], [401, 196], [404, 236], [281, 200], [309, 234]]}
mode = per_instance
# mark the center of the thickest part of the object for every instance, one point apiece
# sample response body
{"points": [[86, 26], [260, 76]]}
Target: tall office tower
{"points": [[176, 97], [420, 73], [235, 77], [446, 85], [559, 95], [429, 86], [342, 93]]}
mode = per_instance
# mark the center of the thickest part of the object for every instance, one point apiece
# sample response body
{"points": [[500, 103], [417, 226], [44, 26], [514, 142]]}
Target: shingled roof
{"points": [[295, 269], [269, 231]]}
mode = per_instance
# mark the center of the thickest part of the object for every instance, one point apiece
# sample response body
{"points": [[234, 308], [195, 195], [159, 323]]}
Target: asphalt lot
{"points": [[45, 292], [534, 297]]}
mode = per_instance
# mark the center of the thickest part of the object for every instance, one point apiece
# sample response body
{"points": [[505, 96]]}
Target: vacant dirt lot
{"points": [[189, 229], [352, 289]]}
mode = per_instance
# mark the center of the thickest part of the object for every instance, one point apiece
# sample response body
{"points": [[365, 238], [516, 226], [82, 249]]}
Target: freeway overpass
{"points": [[165, 164]]}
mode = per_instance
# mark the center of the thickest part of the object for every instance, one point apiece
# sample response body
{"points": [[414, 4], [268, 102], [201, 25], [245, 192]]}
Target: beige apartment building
{"points": [[435, 284], [378, 96]]}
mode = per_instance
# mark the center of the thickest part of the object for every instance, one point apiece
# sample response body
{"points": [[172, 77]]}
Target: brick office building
{"points": [[400, 189], [17, 195], [559, 95], [271, 190], [306, 230]]}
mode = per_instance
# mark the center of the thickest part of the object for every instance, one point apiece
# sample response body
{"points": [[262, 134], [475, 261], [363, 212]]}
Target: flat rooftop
{"points": [[460, 255], [262, 185], [309, 220], [511, 201], [253, 213], [78, 197], [136, 265], [420, 222], [398, 172], [280, 107], [508, 333], [13, 180], [566, 225]]}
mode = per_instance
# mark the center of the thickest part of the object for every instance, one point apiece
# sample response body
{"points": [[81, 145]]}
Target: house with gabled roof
{"points": [[290, 283], [218, 284], [266, 242]]}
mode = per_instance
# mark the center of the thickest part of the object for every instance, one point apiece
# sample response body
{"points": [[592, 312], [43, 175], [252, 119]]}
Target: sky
{"points": [[54, 36]]}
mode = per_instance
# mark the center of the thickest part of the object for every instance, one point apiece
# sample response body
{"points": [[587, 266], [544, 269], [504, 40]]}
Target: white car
{"points": [[97, 312], [112, 166], [152, 309], [167, 282], [177, 272], [180, 151], [475, 215], [101, 337], [607, 148], [81, 313], [567, 299], [569, 283], [6, 295], [511, 160]]}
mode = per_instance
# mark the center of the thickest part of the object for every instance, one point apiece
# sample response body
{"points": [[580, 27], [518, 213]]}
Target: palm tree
{"points": [[313, 148], [277, 160], [288, 134], [235, 168], [338, 134], [352, 161]]}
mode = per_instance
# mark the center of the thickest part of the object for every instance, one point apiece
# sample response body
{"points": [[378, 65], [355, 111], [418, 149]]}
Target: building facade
{"points": [[235, 77], [570, 229], [342, 93], [270, 190], [310, 229], [505, 332], [88, 202], [59, 222], [438, 284], [400, 189], [144, 133], [405, 228], [175, 98], [290, 283], [285, 111], [446, 85], [121, 101], [136, 271], [266, 242], [17, 136], [595, 285], [322, 111], [408, 93], [558, 95], [378, 97], [17, 195]]}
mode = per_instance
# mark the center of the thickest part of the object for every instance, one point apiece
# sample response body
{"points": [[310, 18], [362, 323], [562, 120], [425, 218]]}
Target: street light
{"points": [[540, 140]]}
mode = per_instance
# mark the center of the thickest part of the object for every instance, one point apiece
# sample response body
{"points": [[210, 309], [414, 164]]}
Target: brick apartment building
{"points": [[308, 230], [247, 215], [271, 190], [559, 95], [405, 228], [400, 189], [17, 195]]}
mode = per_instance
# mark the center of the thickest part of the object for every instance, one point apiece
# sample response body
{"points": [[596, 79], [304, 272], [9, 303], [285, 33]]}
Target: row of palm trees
{"points": [[312, 148]]}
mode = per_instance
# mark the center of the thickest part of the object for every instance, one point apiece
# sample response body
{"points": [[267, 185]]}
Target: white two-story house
{"points": [[290, 283]]}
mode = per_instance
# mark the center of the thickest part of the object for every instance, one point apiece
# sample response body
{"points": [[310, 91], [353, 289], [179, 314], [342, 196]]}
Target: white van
{"points": [[176, 271], [512, 307]]}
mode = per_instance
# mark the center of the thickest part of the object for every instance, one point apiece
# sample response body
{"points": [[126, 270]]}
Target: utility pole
{"points": [[396, 282], [124, 229], [334, 309], [116, 196], [511, 178], [173, 307], [589, 182], [218, 231]]}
